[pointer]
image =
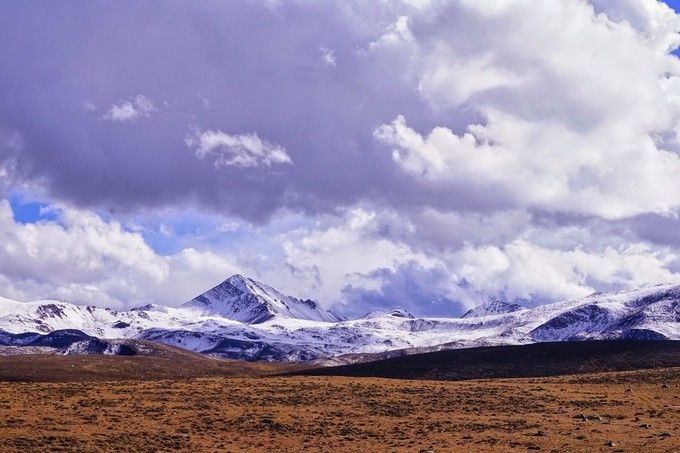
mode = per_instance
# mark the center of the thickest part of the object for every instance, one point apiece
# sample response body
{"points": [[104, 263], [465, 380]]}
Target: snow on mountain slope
{"points": [[48, 315], [246, 300], [396, 311], [495, 307], [244, 319]]}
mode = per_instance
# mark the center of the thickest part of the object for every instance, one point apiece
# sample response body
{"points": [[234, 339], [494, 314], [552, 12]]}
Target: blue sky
{"points": [[675, 4], [26, 211]]}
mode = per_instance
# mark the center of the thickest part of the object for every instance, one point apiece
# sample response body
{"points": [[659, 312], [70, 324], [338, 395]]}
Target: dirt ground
{"points": [[167, 363], [625, 411]]}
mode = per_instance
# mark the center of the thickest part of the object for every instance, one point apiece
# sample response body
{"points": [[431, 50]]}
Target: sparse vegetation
{"points": [[251, 413]]}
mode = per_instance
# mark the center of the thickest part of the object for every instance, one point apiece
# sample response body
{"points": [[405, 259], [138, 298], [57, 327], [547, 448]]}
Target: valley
{"points": [[243, 367]]}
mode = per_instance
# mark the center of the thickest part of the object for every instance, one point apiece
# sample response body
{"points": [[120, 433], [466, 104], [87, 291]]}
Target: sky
{"points": [[427, 154]]}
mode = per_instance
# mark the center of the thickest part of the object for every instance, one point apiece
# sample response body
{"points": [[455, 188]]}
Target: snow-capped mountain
{"points": [[396, 311], [246, 300], [494, 307], [245, 319]]}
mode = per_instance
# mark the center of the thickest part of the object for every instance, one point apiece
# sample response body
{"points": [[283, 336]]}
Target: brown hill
{"points": [[158, 362]]}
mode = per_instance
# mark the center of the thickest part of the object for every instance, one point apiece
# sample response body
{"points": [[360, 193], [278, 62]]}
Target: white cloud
{"points": [[473, 256], [328, 56], [611, 174], [397, 34], [654, 19], [343, 253], [139, 106], [522, 270], [84, 259], [238, 150], [573, 104]]}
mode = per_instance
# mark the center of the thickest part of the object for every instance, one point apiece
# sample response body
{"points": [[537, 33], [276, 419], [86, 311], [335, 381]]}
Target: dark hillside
{"points": [[533, 360]]}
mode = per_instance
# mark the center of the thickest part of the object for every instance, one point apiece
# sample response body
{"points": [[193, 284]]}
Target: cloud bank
{"points": [[82, 258], [431, 154]]}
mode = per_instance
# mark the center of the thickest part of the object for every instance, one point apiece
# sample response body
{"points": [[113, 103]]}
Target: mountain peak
{"points": [[493, 307], [236, 279], [397, 312], [243, 299]]}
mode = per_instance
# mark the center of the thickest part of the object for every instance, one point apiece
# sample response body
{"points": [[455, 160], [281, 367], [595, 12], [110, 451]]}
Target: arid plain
{"points": [[623, 411]]}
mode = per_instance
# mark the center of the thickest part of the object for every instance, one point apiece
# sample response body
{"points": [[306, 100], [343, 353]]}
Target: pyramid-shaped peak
{"points": [[237, 279], [493, 307], [243, 299]]}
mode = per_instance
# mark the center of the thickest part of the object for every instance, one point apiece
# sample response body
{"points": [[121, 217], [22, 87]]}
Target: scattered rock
{"points": [[629, 390], [665, 434], [597, 418], [665, 386], [540, 434], [610, 444], [645, 426]]}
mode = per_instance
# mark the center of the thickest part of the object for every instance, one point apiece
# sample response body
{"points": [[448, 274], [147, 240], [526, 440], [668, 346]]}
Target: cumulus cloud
{"points": [[571, 109], [438, 263], [520, 269], [342, 253], [139, 106], [237, 150], [525, 271], [81, 258], [543, 165]]}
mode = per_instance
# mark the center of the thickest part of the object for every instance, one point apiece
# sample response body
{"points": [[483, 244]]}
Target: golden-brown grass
{"points": [[626, 411]]}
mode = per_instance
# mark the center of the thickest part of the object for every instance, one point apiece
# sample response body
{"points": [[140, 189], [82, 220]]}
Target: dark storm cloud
{"points": [[238, 67], [418, 290], [656, 229]]}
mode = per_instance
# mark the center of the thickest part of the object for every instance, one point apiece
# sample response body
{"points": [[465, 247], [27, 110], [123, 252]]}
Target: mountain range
{"points": [[244, 319]]}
